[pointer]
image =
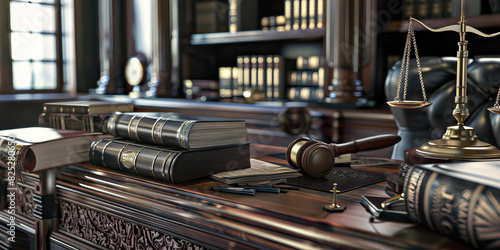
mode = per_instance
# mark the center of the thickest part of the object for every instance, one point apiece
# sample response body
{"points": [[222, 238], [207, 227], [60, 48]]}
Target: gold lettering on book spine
{"points": [[94, 145], [128, 158], [153, 164], [471, 216], [157, 131], [112, 123], [428, 197], [463, 208], [163, 166], [134, 126], [183, 133], [135, 161], [129, 127], [119, 157], [102, 154], [414, 179]]}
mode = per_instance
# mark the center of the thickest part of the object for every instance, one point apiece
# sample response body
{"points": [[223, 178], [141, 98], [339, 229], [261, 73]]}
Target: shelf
{"points": [[255, 36], [483, 21]]}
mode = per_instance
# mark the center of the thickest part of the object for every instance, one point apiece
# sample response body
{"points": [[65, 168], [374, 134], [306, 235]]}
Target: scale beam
{"points": [[456, 28]]}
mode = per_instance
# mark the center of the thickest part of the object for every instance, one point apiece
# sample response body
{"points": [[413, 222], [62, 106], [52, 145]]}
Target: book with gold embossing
{"points": [[459, 199], [173, 165], [177, 130]]}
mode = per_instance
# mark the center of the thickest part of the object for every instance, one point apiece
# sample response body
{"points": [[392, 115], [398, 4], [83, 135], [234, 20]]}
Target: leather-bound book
{"points": [[168, 164], [177, 130], [458, 199]]}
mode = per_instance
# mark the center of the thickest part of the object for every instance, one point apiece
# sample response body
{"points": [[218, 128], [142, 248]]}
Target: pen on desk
{"points": [[235, 190], [261, 187]]}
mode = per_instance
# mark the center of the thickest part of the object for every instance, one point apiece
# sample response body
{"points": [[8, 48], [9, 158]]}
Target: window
{"points": [[35, 46]]}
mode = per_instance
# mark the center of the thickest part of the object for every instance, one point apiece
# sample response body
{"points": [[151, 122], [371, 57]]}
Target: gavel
{"points": [[317, 158]]}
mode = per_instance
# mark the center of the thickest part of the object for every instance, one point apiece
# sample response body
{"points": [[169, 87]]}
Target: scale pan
{"points": [[409, 104], [494, 110]]}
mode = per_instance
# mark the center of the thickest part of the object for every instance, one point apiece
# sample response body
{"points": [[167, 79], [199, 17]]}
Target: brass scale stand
{"points": [[459, 142]]}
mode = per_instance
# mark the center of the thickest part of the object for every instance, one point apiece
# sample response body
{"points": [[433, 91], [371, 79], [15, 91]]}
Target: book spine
{"points": [[233, 16], [234, 81], [320, 14], [409, 9], [460, 209], [246, 73], [160, 131], [296, 15], [304, 14], [280, 23], [225, 82], [495, 6], [240, 85], [288, 15], [164, 164], [264, 23], [278, 81], [269, 78], [253, 72], [312, 14], [423, 9], [131, 158], [261, 73], [436, 9]]}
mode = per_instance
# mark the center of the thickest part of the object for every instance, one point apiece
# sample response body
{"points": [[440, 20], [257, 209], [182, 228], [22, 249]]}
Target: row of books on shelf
{"points": [[167, 146], [240, 15], [274, 76], [422, 9]]}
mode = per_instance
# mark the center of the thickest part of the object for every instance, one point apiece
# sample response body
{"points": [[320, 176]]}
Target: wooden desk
{"points": [[107, 209]]}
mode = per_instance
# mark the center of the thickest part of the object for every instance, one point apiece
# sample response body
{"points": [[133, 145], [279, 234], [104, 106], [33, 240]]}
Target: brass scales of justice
{"points": [[459, 142]]}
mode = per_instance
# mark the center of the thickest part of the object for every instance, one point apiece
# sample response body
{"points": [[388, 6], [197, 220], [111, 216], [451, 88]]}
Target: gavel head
{"points": [[315, 158]]}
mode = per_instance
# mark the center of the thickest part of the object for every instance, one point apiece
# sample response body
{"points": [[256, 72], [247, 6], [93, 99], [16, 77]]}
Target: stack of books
{"points": [[172, 147]]}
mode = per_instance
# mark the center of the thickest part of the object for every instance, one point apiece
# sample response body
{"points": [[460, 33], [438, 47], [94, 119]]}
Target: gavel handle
{"points": [[368, 143]]}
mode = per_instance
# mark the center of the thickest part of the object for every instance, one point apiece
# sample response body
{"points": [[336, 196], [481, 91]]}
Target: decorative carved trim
{"points": [[114, 233], [25, 204]]}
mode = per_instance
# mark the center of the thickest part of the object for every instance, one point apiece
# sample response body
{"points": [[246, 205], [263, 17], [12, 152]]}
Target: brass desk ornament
{"points": [[459, 142]]}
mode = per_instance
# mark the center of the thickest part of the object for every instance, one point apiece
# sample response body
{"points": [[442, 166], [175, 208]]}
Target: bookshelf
{"points": [[201, 54]]}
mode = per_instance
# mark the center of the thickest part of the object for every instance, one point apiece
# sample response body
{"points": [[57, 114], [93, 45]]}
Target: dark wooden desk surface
{"points": [[295, 219], [308, 204]]}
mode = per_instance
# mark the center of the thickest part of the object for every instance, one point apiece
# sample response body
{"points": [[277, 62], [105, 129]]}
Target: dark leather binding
{"points": [[169, 129], [457, 199], [171, 165]]}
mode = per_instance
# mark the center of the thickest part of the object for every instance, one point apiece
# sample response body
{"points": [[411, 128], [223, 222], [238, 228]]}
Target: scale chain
{"points": [[497, 103], [418, 65], [404, 64]]}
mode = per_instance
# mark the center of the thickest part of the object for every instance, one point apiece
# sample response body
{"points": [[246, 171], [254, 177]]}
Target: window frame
{"points": [[6, 61]]}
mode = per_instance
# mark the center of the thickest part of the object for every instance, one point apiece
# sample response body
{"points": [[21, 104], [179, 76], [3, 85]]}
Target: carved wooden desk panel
{"points": [[102, 208]]}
